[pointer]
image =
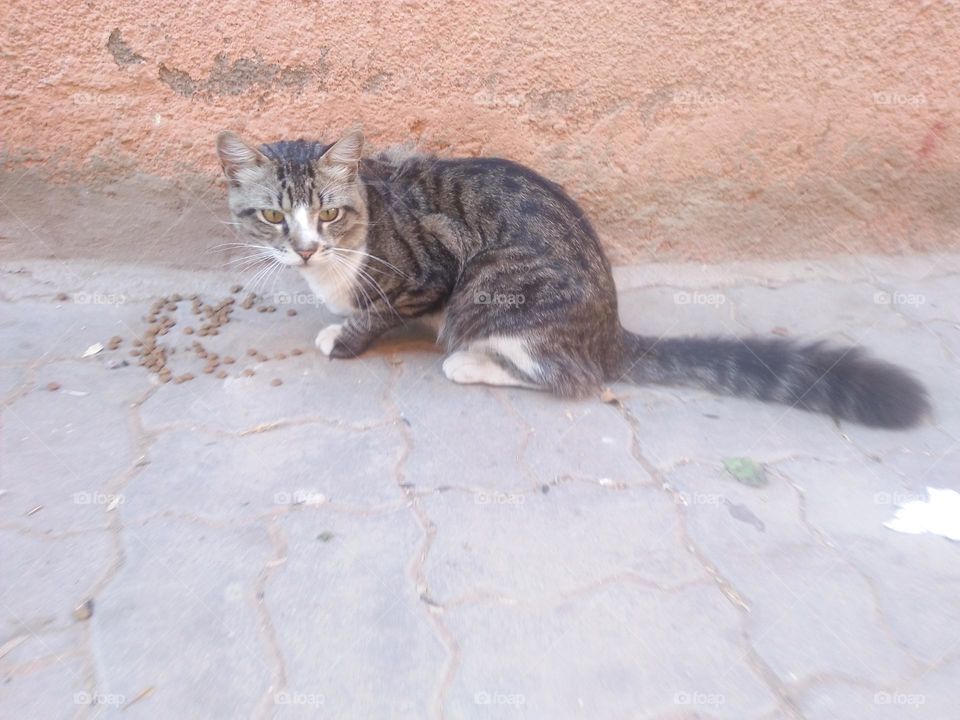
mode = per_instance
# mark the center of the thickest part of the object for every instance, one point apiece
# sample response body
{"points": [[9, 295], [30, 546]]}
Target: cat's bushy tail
{"points": [[842, 382]]}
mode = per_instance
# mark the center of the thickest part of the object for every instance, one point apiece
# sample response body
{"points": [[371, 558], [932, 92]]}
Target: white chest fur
{"points": [[334, 282]]}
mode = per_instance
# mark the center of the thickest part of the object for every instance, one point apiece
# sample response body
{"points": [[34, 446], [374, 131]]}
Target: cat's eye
{"points": [[272, 216], [329, 214]]}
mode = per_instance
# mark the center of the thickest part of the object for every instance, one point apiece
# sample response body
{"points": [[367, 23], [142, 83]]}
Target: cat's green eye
{"points": [[329, 214], [272, 216]]}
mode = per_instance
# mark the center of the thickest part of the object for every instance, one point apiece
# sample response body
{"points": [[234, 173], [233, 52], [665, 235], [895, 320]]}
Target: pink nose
{"points": [[306, 254]]}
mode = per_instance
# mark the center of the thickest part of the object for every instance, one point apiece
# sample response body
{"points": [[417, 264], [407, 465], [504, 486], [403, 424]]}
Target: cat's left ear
{"points": [[345, 152], [237, 156]]}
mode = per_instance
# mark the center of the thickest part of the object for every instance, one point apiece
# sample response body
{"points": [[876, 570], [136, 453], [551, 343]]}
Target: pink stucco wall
{"points": [[689, 130]]}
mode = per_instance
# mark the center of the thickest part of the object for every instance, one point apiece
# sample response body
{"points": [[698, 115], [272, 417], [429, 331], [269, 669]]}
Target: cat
{"points": [[518, 276]]}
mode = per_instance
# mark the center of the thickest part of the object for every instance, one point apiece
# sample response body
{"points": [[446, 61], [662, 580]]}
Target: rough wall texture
{"points": [[688, 130]]}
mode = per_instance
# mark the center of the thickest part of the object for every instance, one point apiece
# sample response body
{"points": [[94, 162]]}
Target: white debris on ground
{"points": [[939, 514]]}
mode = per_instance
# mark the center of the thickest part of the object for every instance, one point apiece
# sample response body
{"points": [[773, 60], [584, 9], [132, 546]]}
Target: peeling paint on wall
{"points": [[244, 74], [122, 53]]}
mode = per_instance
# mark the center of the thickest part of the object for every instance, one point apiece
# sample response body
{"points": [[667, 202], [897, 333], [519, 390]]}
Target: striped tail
{"points": [[844, 383]]}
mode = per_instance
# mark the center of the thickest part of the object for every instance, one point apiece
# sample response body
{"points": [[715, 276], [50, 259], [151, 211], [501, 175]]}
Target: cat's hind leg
{"points": [[467, 367]]}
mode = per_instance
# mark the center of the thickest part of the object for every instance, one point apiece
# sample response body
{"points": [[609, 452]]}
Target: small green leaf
{"points": [[746, 471]]}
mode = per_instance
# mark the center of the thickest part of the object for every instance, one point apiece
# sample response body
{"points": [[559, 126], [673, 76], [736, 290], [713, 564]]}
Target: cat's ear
{"points": [[236, 155], [345, 152]]}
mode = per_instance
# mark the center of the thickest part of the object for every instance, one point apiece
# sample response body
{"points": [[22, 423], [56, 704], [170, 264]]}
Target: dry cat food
{"points": [[154, 354]]}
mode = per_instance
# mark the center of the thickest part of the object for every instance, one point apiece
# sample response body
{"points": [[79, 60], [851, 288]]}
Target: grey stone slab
{"points": [[709, 429], [915, 578], [816, 310], [810, 612], [587, 439], [932, 695], [460, 435], [181, 616], [231, 477], [348, 392], [37, 331], [539, 545], [618, 649], [45, 579], [669, 311], [61, 450], [927, 299], [355, 638], [54, 691]]}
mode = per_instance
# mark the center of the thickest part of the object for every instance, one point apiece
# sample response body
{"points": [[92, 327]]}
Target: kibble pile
{"points": [[157, 355]]}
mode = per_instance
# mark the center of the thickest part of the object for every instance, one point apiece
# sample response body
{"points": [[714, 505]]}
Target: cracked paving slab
{"points": [[366, 539]]}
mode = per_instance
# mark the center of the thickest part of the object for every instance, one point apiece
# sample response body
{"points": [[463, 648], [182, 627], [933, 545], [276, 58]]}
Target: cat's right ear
{"points": [[237, 157]]}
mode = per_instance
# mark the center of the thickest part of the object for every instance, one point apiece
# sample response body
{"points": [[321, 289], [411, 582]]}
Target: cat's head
{"points": [[299, 200]]}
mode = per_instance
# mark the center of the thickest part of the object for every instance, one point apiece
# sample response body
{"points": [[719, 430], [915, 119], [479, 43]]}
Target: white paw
{"points": [[327, 338], [466, 368]]}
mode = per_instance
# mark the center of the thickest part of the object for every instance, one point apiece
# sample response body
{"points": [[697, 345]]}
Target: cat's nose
{"points": [[306, 254]]}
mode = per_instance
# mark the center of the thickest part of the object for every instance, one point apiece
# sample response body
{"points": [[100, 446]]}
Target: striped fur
{"points": [[517, 274]]}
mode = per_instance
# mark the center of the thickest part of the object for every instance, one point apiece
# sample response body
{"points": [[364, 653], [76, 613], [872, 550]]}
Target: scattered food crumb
{"points": [[236, 288], [247, 373], [291, 312], [62, 297], [92, 350], [607, 396], [84, 611], [296, 351], [276, 382], [53, 386], [782, 331]]}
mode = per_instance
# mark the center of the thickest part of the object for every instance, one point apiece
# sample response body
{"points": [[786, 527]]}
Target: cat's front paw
{"points": [[327, 338]]}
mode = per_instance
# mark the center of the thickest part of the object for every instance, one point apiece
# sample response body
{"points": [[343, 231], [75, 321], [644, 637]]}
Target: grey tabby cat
{"points": [[518, 275]]}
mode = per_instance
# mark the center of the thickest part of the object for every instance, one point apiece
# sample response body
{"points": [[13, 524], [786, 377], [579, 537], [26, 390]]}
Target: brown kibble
{"points": [[53, 386], [296, 351], [135, 353], [165, 378], [280, 356], [176, 297], [137, 343], [188, 330], [247, 304], [221, 374], [271, 308], [229, 360], [247, 373], [262, 309], [188, 376], [252, 353], [171, 307], [262, 358], [236, 288], [62, 297], [209, 369], [84, 611], [291, 312], [178, 379], [276, 382]]}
